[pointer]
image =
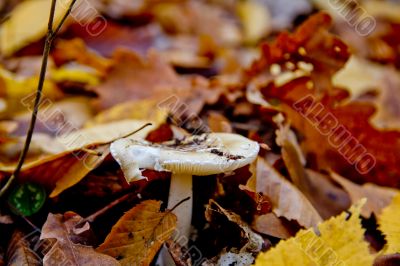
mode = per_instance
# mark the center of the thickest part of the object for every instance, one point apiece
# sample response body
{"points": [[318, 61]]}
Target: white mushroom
{"points": [[201, 155]]}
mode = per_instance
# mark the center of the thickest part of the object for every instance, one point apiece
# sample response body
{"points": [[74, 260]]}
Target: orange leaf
{"points": [[139, 234]]}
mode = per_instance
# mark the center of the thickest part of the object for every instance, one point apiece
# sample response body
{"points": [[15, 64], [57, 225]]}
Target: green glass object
{"points": [[27, 199]]}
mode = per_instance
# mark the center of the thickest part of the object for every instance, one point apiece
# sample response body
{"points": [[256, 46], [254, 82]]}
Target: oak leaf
{"points": [[139, 233], [377, 197]]}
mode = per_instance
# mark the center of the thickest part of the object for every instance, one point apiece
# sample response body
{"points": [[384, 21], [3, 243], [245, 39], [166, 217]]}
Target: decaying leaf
{"points": [[339, 240], [19, 251], [69, 247], [389, 224], [138, 235], [377, 197], [287, 200]]}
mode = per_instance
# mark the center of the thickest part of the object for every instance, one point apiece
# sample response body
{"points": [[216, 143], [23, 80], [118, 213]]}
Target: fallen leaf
{"points": [[254, 241], [377, 197], [255, 19], [19, 251], [270, 224], [14, 34], [138, 235], [78, 169], [136, 78], [327, 197], [339, 240], [68, 248], [389, 224], [76, 50], [287, 201], [199, 18], [218, 123], [138, 109], [379, 156], [106, 38], [387, 260], [66, 163]]}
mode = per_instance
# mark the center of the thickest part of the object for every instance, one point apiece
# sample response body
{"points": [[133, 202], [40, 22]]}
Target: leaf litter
{"points": [[288, 76]]}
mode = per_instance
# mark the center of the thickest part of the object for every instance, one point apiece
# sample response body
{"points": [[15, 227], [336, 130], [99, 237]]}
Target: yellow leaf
{"points": [[78, 170], [16, 88], [28, 23], [80, 75], [256, 20], [389, 224], [139, 109], [340, 241], [139, 234]]}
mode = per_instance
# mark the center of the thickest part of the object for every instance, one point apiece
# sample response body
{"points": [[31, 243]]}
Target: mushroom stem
{"points": [[180, 188]]}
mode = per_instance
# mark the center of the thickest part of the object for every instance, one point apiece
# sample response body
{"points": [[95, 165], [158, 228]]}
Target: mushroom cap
{"points": [[205, 154]]}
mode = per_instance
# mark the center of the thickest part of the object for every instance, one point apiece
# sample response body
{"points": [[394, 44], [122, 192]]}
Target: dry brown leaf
{"points": [[138, 235], [134, 78], [270, 224], [378, 197], [69, 248], [328, 198], [199, 18], [286, 199], [218, 123], [19, 252]]}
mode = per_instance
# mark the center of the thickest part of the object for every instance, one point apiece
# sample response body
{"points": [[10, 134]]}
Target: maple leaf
{"points": [[139, 233], [340, 240]]}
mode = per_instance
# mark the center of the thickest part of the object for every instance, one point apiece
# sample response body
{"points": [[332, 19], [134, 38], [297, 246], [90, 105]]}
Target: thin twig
{"points": [[93, 152], [42, 76], [100, 212], [179, 203], [64, 18]]}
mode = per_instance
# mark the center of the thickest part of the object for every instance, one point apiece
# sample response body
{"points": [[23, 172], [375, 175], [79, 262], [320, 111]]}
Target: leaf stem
{"points": [[42, 76]]}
